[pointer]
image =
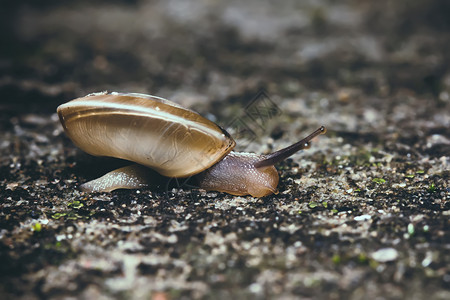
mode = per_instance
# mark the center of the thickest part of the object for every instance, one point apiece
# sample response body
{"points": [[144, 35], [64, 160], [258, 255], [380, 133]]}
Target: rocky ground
{"points": [[362, 214]]}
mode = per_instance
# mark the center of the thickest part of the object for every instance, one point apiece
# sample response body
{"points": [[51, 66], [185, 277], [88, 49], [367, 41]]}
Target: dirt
{"points": [[364, 213]]}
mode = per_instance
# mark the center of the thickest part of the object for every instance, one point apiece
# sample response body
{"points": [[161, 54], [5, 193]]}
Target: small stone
{"points": [[255, 288], [172, 239], [362, 218], [385, 255]]}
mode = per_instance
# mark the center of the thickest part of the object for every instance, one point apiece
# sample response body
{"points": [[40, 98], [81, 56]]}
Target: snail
{"points": [[174, 141]]}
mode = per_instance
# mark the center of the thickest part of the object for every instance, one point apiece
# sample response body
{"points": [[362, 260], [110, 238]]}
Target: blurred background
{"points": [[197, 51]]}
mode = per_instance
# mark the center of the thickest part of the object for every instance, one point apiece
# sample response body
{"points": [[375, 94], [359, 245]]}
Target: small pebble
{"points": [[385, 255], [362, 218]]}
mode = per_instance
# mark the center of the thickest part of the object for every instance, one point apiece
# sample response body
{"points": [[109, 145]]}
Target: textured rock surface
{"points": [[364, 213]]}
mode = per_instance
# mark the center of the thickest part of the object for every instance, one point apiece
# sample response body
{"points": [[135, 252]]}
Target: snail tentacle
{"points": [[280, 155]]}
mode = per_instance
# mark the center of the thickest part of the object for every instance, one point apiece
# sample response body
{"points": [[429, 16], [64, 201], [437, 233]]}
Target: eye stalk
{"points": [[280, 155]]}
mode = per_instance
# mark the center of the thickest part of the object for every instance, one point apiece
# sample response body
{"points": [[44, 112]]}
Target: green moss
{"points": [[76, 204], [73, 216], [37, 227], [362, 258], [58, 215], [336, 259], [373, 263], [432, 187], [313, 204], [379, 180]]}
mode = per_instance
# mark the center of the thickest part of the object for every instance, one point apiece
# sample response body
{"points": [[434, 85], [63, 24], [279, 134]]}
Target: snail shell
{"points": [[151, 131]]}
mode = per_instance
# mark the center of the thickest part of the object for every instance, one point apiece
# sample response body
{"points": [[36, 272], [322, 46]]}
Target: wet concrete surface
{"points": [[364, 213]]}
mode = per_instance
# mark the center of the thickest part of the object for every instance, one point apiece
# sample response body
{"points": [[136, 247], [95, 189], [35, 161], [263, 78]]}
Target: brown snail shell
{"points": [[151, 131]]}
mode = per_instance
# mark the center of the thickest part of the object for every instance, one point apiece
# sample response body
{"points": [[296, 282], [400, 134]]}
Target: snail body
{"points": [[175, 142]]}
